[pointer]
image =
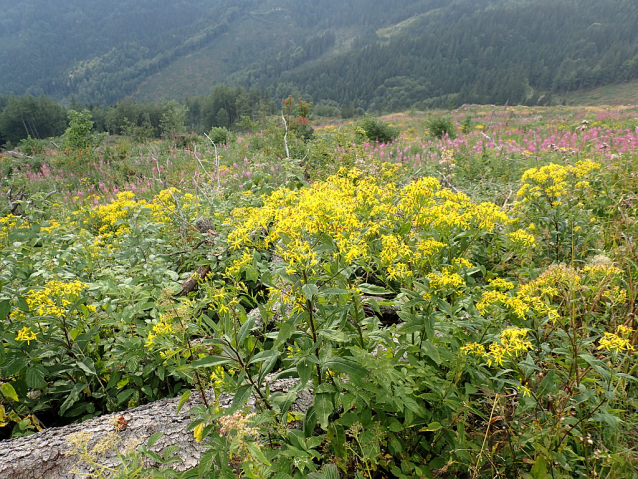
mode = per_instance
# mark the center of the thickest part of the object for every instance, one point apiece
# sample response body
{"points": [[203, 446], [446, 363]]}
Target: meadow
{"points": [[460, 301]]}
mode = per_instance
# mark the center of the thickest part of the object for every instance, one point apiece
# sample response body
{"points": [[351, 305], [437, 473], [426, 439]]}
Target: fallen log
{"points": [[45, 455]]}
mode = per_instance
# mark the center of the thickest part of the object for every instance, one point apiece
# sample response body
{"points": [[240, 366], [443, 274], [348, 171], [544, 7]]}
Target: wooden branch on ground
{"points": [[191, 283], [44, 455]]}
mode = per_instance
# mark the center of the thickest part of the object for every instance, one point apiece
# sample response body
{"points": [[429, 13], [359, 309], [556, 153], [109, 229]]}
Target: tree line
{"points": [[41, 117]]}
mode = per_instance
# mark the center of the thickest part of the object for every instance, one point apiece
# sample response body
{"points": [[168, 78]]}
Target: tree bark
{"points": [[44, 455]]}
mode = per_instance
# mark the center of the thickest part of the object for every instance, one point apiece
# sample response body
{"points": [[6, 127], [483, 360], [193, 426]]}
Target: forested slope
{"points": [[381, 55]]}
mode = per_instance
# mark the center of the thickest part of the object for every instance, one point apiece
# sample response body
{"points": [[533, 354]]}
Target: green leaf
{"points": [[114, 379], [73, 397], [264, 355], [285, 331], [88, 366], [245, 329], [256, 452], [211, 360], [241, 396], [539, 470], [185, 397], [330, 471], [124, 395], [304, 368], [332, 335], [432, 427], [327, 291], [5, 308], [22, 304], [309, 290], [413, 406], [547, 384], [323, 408], [345, 366], [154, 438], [15, 366], [35, 377], [432, 351], [366, 288], [7, 391]]}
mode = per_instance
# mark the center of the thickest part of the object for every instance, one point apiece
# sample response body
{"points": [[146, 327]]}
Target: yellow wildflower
{"points": [[26, 334]]}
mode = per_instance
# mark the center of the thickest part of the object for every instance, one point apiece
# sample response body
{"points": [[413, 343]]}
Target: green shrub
{"points": [[32, 146], [377, 130], [440, 126], [219, 135]]}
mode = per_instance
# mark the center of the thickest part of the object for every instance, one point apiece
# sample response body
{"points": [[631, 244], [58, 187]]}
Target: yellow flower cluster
{"points": [[550, 287], [521, 238], [112, 218], [512, 342], [501, 284], [553, 181], [7, 223], [112, 215], [217, 377], [26, 334], [446, 281], [361, 215], [162, 327], [55, 298], [618, 341], [237, 265]]}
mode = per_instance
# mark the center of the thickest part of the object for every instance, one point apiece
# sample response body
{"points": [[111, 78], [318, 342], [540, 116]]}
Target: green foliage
{"points": [[219, 135], [32, 146], [474, 324], [440, 126], [78, 135], [26, 116], [377, 130], [173, 122]]}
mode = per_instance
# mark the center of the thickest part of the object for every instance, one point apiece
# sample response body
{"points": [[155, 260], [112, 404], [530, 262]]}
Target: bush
{"points": [[219, 135], [377, 130], [440, 126], [32, 146]]}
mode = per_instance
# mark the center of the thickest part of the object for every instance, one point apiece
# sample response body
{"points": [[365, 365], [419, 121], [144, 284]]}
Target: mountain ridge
{"points": [[381, 54]]}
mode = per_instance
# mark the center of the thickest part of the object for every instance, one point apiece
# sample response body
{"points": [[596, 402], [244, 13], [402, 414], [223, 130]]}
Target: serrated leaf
{"points": [[413, 406], [35, 377], [257, 453], [154, 438]]}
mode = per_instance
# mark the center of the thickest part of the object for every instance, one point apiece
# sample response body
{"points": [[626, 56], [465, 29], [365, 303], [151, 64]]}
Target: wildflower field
{"points": [[460, 302]]}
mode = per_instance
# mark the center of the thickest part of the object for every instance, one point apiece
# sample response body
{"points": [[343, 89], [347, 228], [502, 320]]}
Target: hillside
{"points": [[381, 55]]}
